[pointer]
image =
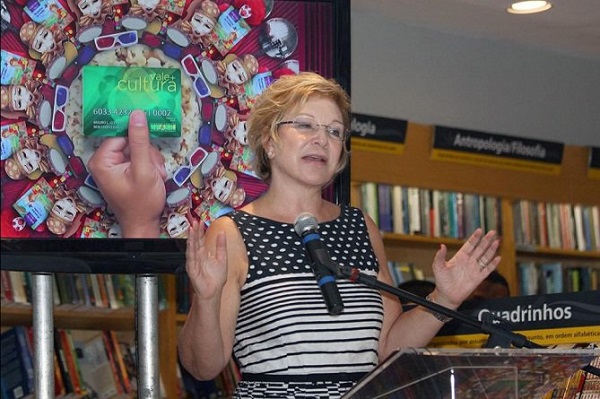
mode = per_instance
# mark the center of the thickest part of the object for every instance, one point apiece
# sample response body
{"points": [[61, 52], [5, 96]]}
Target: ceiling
{"points": [[570, 27]]}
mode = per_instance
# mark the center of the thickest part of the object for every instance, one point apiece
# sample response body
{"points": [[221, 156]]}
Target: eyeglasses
{"points": [[170, 50], [310, 127], [195, 159], [59, 118], [193, 71], [123, 39]]}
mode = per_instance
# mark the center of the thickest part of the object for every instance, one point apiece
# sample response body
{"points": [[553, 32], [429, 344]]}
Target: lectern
{"points": [[471, 373]]}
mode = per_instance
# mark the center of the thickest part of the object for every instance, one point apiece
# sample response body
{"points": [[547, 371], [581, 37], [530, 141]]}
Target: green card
{"points": [[111, 93]]}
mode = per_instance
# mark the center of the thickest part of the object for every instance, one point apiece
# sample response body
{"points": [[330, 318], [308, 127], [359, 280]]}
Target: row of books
{"points": [[433, 213], [91, 364], [87, 364], [554, 225], [111, 291], [537, 278]]}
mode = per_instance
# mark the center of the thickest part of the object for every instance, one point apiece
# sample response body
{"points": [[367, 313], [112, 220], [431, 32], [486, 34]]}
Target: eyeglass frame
{"points": [[328, 128]]}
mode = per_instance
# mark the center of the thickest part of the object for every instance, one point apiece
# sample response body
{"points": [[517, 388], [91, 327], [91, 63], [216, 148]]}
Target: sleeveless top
{"points": [[284, 329]]}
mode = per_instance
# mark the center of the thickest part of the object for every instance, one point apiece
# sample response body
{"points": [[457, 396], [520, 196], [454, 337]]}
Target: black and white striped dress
{"points": [[286, 343]]}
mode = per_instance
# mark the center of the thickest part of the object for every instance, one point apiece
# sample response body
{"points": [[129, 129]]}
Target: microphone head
{"points": [[305, 222]]}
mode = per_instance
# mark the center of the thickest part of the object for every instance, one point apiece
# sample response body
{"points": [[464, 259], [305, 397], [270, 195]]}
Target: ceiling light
{"points": [[529, 7]]}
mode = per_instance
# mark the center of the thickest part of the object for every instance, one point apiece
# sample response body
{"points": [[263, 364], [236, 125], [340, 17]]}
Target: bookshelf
{"points": [[415, 168], [95, 318]]}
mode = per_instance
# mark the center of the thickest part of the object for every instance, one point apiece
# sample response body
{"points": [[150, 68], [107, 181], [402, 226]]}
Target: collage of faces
{"points": [[228, 52]]}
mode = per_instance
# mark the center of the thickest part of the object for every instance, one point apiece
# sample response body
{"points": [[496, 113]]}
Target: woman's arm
{"points": [[455, 280], [215, 263]]}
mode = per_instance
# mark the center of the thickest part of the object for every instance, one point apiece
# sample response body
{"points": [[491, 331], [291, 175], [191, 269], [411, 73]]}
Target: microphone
{"points": [[306, 227]]}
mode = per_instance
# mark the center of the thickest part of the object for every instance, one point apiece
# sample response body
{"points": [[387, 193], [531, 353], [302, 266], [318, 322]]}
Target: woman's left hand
{"points": [[457, 278]]}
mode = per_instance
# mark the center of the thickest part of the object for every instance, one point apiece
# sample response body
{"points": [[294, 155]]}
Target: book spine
{"points": [[397, 210], [6, 286], [26, 355], [120, 362], [69, 352], [62, 363], [414, 211], [110, 354]]}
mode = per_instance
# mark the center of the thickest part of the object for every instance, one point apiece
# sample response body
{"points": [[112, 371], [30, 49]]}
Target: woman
{"points": [[255, 294]]}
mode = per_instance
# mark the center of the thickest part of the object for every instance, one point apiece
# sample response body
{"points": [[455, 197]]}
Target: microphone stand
{"points": [[498, 336]]}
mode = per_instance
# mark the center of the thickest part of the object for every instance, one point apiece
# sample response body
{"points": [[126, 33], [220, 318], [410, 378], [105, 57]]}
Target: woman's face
{"points": [[202, 24], [65, 209], [222, 188], [308, 156], [91, 8], [21, 98], [235, 72], [240, 133], [177, 225], [43, 42], [29, 160]]}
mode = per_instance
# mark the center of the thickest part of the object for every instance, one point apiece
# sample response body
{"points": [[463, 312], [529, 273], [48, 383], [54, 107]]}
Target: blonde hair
{"points": [[291, 92]]}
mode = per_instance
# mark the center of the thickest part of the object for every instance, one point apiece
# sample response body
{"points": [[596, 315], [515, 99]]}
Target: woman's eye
{"points": [[305, 125]]}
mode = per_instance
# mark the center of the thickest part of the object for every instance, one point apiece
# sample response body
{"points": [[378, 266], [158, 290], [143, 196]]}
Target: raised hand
{"points": [[130, 174], [457, 278], [207, 270]]}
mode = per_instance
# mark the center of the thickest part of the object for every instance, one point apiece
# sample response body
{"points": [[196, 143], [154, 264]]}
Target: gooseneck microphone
{"points": [[306, 227]]}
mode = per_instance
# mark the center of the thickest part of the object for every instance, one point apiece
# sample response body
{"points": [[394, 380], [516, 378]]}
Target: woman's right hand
{"points": [[207, 270]]}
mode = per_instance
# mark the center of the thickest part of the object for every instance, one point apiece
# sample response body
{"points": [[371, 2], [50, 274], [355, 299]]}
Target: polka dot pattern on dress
{"points": [[274, 247]]}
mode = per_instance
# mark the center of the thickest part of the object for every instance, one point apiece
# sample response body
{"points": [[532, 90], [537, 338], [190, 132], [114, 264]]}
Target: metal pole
{"points": [[147, 336], [43, 335]]}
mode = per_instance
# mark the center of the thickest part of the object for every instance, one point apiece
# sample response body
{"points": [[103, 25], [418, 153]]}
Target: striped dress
{"points": [[286, 343]]}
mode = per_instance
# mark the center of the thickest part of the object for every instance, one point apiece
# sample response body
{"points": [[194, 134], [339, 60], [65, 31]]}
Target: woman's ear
{"points": [[269, 147]]}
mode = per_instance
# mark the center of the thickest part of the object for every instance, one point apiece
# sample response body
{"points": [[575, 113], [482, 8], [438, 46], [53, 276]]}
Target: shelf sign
{"points": [[378, 134], [548, 319], [594, 166], [495, 150]]}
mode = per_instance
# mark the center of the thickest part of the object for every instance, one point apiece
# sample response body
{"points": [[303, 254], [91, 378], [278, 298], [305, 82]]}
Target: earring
{"points": [[270, 155]]}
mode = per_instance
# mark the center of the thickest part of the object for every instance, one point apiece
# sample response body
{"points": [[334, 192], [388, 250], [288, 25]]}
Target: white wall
{"points": [[432, 78]]}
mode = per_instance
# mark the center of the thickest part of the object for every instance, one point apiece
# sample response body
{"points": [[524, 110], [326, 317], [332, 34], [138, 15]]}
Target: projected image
{"points": [[73, 70]]}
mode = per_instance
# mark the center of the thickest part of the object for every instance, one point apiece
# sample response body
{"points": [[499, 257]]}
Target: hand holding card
{"points": [[130, 174]]}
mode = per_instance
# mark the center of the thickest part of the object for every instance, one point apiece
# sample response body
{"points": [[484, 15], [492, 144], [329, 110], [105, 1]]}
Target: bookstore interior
{"points": [[65, 69]]}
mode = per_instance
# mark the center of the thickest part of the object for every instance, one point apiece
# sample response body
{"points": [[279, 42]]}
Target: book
{"points": [[102, 288], [528, 278], [435, 206], [414, 211], [16, 371], [384, 202], [551, 281], [70, 356], [17, 283], [121, 367], [7, 292], [542, 224], [63, 368], [96, 290], [96, 371], [425, 211], [397, 210], [369, 201], [596, 227], [471, 213]]}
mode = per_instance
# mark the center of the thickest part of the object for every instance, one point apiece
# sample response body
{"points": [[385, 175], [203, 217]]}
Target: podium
{"points": [[471, 373]]}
